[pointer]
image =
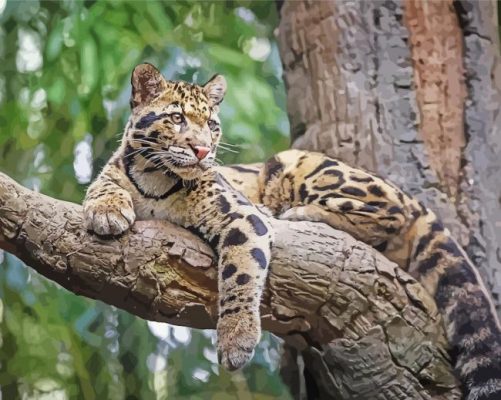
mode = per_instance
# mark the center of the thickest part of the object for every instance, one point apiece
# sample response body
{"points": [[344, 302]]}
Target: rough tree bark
{"points": [[411, 90], [371, 331]]}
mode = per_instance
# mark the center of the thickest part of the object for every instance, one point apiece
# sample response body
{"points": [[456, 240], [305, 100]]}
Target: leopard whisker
{"points": [[231, 144], [228, 150], [135, 152]]}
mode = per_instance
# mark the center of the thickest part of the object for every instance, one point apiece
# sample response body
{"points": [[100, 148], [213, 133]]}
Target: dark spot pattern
{"points": [[137, 136], [365, 179], [235, 237], [324, 198], [323, 165], [450, 247], [235, 215], [376, 190], [456, 275], [260, 257], [368, 209], [303, 192], [272, 167], [437, 227], [301, 159], [224, 205], [257, 224], [154, 134], [243, 169], [431, 262], [242, 279], [353, 191], [148, 120], [416, 214], [388, 218], [228, 271], [423, 242], [346, 206], [481, 375], [379, 204], [332, 186], [230, 311], [214, 242], [312, 197]]}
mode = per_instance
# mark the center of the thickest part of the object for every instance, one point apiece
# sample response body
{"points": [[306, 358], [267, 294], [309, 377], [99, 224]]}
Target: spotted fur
{"points": [[162, 171], [299, 185]]}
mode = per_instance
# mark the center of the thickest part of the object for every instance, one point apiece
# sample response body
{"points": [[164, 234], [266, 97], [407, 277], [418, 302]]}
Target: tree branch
{"points": [[372, 327]]}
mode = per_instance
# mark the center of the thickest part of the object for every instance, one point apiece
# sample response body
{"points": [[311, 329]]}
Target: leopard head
{"points": [[174, 124]]}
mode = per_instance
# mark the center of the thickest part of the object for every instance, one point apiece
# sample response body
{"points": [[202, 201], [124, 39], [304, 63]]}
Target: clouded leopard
{"points": [[164, 169]]}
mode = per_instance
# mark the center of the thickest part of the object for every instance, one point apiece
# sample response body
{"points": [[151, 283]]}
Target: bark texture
{"points": [[370, 330], [437, 58], [408, 89]]}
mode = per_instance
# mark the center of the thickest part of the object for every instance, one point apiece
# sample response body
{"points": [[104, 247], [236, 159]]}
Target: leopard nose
{"points": [[200, 151]]}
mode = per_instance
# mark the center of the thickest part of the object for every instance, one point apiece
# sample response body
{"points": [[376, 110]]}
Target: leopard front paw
{"points": [[236, 339], [108, 215]]}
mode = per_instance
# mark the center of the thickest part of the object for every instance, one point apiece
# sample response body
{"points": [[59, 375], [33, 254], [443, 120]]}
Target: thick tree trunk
{"points": [[411, 90], [337, 301]]}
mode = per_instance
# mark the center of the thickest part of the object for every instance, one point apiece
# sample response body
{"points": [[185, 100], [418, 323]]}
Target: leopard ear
{"points": [[215, 89], [147, 83]]}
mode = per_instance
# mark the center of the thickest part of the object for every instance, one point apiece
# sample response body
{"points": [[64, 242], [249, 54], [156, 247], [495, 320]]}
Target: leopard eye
{"points": [[177, 118], [213, 125]]}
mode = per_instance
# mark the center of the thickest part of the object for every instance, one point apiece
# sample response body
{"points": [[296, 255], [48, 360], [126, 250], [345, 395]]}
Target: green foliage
{"points": [[64, 89]]}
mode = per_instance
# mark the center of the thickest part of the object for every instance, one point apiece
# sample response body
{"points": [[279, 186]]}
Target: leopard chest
{"points": [[161, 209], [150, 209]]}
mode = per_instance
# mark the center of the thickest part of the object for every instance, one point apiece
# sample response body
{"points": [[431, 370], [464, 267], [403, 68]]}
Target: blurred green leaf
{"points": [[88, 65]]}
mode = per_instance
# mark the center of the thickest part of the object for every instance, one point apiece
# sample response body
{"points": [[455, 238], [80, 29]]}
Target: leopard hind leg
{"points": [[368, 223]]}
